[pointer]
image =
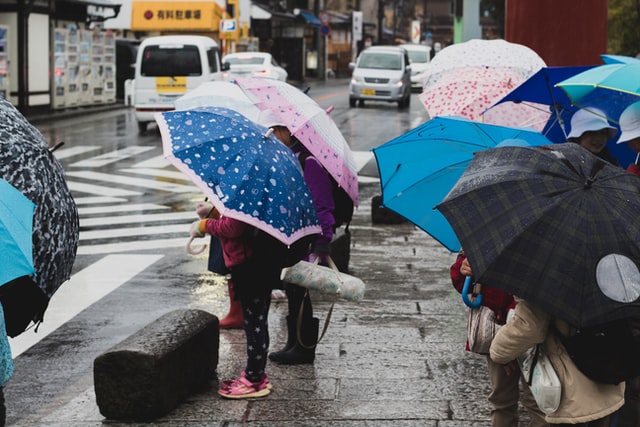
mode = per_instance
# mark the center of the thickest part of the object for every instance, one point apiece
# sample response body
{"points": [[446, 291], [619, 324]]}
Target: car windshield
{"points": [[245, 60], [158, 61], [418, 56], [381, 61]]}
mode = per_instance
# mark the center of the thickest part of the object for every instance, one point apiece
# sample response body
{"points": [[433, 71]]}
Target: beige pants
{"points": [[504, 396]]}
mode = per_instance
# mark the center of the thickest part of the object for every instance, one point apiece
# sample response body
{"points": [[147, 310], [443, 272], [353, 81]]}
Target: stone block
{"points": [[149, 373]]}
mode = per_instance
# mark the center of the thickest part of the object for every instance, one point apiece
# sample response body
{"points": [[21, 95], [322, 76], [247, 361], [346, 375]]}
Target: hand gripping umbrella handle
{"points": [[195, 251], [465, 294]]}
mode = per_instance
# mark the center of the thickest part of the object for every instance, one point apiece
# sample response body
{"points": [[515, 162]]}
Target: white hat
{"points": [[269, 120], [630, 123], [589, 120]]}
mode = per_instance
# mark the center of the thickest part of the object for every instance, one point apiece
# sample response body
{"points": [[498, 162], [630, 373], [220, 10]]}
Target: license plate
{"points": [[369, 92]]}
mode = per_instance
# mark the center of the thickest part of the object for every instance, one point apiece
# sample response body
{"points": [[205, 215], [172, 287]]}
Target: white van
{"points": [[169, 66]]}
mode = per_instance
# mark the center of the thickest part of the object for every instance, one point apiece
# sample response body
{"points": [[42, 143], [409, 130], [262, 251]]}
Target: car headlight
{"points": [[356, 80]]}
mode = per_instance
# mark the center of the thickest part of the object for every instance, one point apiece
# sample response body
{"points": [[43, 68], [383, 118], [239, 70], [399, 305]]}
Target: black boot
{"points": [[304, 348], [296, 297], [276, 356]]}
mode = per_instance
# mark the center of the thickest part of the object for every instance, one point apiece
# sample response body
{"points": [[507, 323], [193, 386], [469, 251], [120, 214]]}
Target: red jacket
{"points": [[497, 300], [233, 235]]}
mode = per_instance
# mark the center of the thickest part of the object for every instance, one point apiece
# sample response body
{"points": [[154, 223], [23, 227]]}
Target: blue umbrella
{"points": [[16, 226], [248, 174], [539, 91], [417, 169]]}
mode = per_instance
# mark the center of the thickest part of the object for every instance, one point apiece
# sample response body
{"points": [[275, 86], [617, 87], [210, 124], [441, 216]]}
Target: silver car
{"points": [[381, 73]]}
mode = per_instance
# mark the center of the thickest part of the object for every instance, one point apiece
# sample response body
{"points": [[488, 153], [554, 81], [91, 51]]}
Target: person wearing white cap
{"points": [[630, 132], [591, 130]]}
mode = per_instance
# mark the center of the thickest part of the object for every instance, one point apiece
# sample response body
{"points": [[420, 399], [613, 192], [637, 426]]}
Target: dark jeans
{"points": [[602, 422]]}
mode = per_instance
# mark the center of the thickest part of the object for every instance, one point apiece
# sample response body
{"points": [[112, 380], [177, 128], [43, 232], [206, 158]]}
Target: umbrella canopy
{"points": [[539, 92], [310, 124], [417, 169], [470, 91], [618, 59], [218, 94], [484, 53], [247, 175], [28, 165], [16, 218], [610, 88], [554, 225]]}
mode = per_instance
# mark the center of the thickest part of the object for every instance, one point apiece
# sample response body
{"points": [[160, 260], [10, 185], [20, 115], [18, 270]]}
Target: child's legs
{"points": [[256, 328]]}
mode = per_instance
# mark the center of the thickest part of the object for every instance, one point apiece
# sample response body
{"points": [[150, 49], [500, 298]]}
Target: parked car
{"points": [[419, 55], [381, 73], [254, 64]]}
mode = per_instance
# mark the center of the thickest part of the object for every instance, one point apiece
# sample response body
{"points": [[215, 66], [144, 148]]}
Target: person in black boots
{"points": [[302, 327]]}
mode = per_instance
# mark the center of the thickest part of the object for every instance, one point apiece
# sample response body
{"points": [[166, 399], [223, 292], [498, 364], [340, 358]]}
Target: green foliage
{"points": [[624, 27]]}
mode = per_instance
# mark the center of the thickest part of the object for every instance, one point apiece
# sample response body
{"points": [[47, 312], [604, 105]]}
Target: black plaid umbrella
{"points": [[554, 225], [27, 164]]}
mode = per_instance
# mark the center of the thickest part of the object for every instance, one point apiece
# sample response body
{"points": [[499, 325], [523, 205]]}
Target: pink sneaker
{"points": [[242, 388], [226, 383]]}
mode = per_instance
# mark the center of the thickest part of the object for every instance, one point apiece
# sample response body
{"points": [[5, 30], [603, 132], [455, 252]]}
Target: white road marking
{"points": [[64, 153], [120, 208], [134, 231], [81, 187], [361, 158], [110, 157], [83, 289], [98, 200], [157, 162], [133, 181], [143, 218], [138, 245], [160, 173]]}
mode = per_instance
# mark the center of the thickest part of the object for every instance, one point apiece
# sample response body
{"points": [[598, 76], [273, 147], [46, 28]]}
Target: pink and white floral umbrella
{"points": [[309, 123], [470, 91], [484, 53]]}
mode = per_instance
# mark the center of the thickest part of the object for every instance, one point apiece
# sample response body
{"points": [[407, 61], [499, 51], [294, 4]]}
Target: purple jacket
{"points": [[319, 182]]}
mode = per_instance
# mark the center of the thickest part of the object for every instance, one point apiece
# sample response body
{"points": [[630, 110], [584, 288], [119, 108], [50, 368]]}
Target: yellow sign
{"points": [[171, 84], [188, 15]]}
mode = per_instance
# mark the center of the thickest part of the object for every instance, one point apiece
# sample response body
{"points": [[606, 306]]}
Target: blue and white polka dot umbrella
{"points": [[247, 175]]}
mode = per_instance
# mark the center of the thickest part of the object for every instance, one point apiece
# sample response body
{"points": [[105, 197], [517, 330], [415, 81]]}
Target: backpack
{"points": [[607, 353], [343, 205], [274, 252]]}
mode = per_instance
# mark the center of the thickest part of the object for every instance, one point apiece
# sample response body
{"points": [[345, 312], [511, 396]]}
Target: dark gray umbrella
{"points": [[27, 163], [554, 225]]}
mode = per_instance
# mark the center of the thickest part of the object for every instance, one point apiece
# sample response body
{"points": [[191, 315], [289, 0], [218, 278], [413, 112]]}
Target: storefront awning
{"points": [[258, 12], [311, 19]]}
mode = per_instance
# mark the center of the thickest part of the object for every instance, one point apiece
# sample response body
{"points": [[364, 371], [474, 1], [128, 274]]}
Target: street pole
{"points": [[380, 16]]}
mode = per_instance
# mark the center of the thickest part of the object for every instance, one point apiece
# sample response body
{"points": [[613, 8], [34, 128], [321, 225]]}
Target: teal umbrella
{"points": [[16, 225], [418, 168], [610, 88]]}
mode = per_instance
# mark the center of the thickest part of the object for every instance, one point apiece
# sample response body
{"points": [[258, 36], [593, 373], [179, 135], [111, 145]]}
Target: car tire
{"points": [[361, 103], [142, 127], [352, 102]]}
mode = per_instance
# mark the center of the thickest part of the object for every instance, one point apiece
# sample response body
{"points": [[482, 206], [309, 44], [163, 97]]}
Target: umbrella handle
{"points": [[195, 251], [465, 294]]}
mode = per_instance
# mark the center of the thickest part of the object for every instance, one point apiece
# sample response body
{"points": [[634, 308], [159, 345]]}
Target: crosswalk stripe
{"points": [[120, 208], [139, 245], [110, 157], [98, 200], [160, 173], [135, 231], [83, 289], [142, 218], [81, 187], [133, 181], [64, 153], [157, 162]]}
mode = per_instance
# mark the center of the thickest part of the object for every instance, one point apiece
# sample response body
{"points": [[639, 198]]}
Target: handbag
{"points": [[481, 328], [542, 379], [330, 280]]}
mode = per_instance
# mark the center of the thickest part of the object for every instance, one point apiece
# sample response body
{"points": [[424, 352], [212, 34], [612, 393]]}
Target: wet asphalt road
{"points": [[394, 359]]}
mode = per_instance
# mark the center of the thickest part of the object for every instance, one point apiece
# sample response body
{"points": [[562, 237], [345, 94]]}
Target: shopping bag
{"points": [[542, 379]]}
